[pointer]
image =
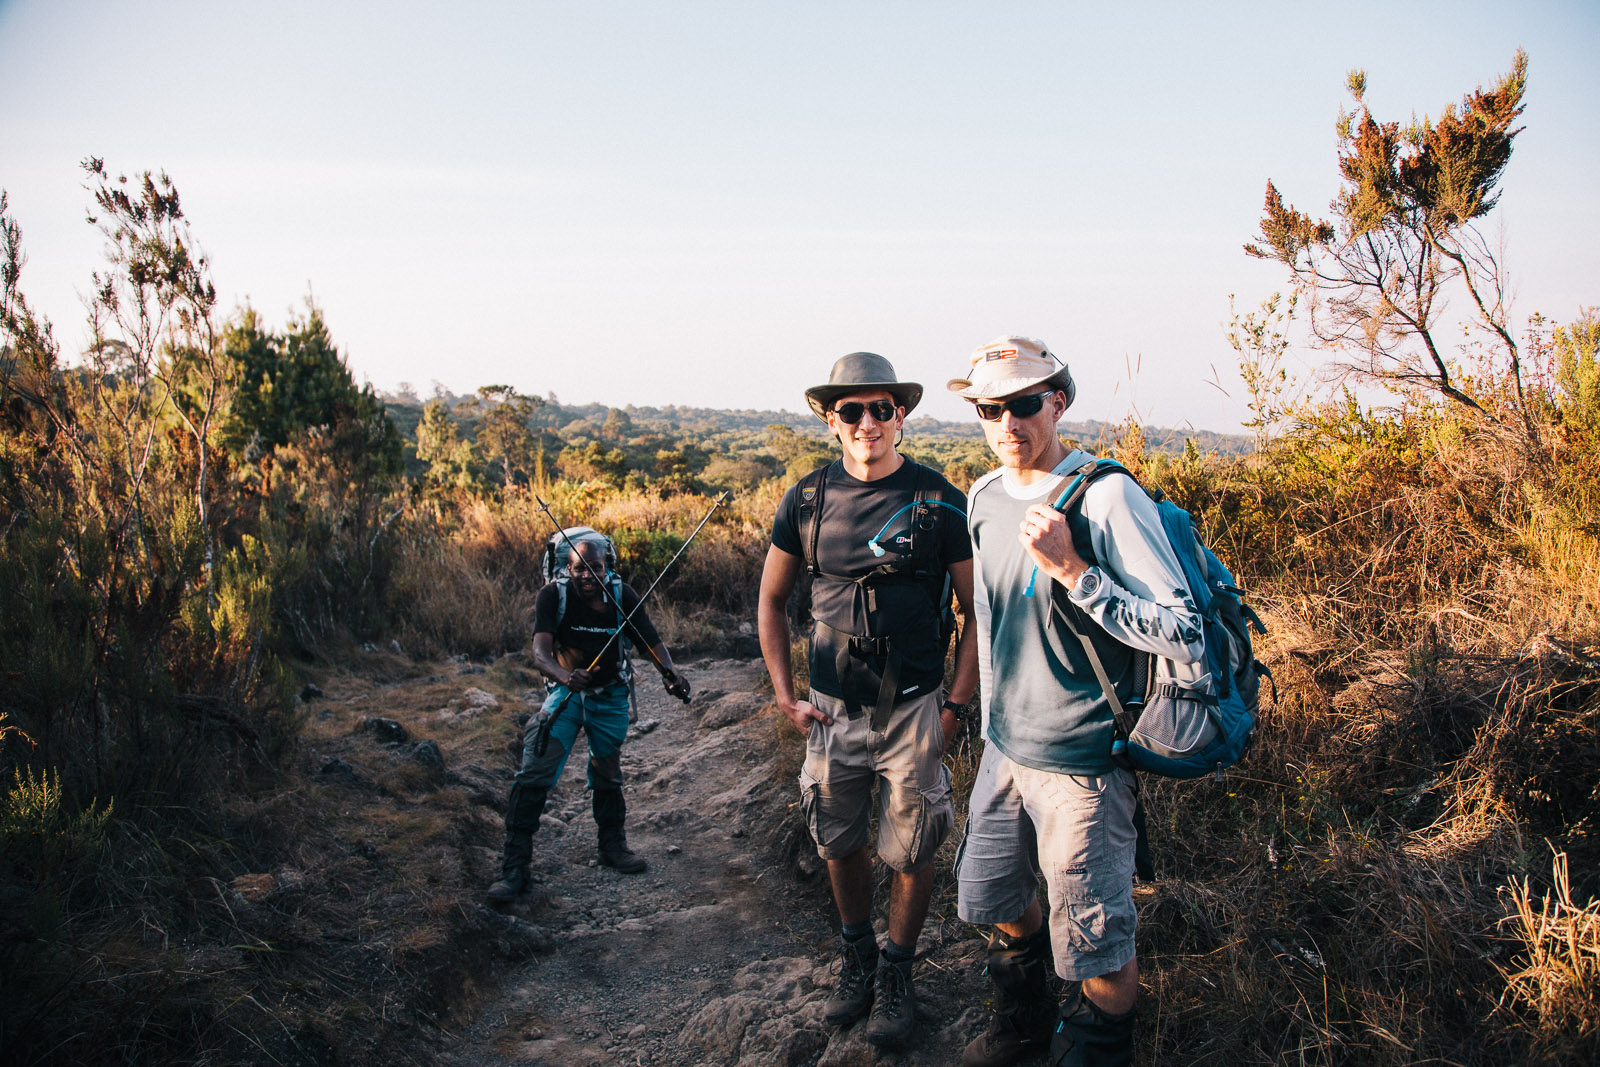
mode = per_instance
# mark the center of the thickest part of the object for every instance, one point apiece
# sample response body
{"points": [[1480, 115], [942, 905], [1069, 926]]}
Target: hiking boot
{"points": [[894, 1012], [852, 995], [523, 811], [1088, 1037], [513, 881], [1024, 1008], [623, 859], [508, 887], [610, 813]]}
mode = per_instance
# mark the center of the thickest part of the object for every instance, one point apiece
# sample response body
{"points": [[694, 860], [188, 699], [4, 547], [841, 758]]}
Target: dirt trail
{"points": [[717, 954]]}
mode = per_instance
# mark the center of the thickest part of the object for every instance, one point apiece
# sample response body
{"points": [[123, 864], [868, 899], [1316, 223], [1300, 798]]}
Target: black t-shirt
{"points": [[585, 630], [853, 512]]}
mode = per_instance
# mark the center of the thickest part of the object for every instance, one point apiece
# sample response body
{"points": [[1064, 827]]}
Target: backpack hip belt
{"points": [[854, 646]]}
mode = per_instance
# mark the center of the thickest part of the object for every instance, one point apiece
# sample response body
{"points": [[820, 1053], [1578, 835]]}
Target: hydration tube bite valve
{"points": [[878, 550]]}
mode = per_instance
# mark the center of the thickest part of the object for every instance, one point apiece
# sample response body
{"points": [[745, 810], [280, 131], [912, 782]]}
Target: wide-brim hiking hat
{"points": [[861, 372], [1013, 364]]}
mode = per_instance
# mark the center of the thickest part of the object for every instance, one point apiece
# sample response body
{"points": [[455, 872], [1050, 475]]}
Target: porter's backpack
{"points": [[1186, 720], [555, 569]]}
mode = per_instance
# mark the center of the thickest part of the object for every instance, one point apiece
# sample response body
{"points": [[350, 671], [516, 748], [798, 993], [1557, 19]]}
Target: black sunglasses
{"points": [[1022, 407], [882, 411]]}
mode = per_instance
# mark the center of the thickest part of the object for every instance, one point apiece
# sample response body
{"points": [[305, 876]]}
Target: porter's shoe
{"points": [[610, 815]]}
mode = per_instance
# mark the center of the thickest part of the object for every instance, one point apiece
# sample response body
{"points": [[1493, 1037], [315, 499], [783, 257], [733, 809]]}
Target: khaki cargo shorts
{"points": [[1079, 832], [906, 760]]}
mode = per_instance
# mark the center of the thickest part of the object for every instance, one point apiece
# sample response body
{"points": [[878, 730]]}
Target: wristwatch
{"points": [[1088, 584], [958, 710]]}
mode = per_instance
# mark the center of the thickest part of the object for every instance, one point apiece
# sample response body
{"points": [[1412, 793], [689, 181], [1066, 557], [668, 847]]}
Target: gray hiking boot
{"points": [[852, 996], [507, 888], [623, 859], [894, 1012]]}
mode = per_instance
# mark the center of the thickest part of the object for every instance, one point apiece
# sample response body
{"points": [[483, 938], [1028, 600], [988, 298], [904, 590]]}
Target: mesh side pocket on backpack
{"points": [[1176, 722]]}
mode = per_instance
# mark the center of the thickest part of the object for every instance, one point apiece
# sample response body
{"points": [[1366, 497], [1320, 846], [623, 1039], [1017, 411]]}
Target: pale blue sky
{"points": [[707, 203]]}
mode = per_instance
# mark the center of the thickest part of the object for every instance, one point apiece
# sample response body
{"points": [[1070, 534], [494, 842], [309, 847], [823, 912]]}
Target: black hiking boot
{"points": [[1088, 1037], [852, 996], [1024, 1008], [894, 1010], [513, 869], [610, 813], [522, 819]]}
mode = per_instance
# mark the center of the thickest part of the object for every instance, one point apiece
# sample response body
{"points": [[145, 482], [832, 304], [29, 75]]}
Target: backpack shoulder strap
{"points": [[810, 490], [1087, 475], [561, 599], [925, 523], [1070, 499]]}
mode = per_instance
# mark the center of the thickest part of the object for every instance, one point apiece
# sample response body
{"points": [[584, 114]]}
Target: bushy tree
{"points": [[1404, 237], [439, 445], [800, 455], [129, 634], [1576, 351], [504, 436], [289, 383]]}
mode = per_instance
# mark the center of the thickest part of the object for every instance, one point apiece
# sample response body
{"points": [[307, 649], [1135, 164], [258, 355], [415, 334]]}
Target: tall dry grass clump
{"points": [[1556, 970], [1366, 887], [468, 573]]}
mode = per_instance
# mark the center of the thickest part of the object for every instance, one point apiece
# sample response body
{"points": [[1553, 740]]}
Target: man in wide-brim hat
{"points": [[885, 542], [1048, 797]]}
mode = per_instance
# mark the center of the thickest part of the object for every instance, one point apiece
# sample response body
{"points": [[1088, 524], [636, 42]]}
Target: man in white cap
{"points": [[1048, 795], [885, 542]]}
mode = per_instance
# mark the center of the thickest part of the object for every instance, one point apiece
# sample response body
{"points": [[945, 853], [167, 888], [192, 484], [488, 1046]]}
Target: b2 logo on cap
{"points": [[1004, 353]]}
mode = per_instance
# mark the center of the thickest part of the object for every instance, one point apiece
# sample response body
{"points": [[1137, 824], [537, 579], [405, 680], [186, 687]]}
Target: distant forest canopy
{"points": [[711, 447], [675, 418]]}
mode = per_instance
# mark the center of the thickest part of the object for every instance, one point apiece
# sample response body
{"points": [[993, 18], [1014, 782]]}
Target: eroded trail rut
{"points": [[718, 954]]}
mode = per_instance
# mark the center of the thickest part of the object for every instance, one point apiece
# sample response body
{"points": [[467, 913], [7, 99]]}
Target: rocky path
{"points": [[719, 953]]}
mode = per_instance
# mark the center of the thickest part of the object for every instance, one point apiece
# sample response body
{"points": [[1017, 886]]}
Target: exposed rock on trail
{"points": [[717, 954]]}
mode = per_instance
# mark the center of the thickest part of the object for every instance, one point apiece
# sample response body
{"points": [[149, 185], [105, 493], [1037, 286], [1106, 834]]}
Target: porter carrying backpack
{"points": [[1186, 720], [555, 568]]}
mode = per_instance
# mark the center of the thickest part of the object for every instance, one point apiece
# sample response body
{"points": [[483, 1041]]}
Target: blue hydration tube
{"points": [[878, 550], [1061, 502]]}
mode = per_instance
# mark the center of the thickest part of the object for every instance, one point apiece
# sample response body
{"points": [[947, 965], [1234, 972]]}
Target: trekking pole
{"points": [[542, 736], [606, 589], [715, 504]]}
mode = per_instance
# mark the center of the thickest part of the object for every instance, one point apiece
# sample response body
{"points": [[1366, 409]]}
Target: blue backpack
{"points": [[1179, 725]]}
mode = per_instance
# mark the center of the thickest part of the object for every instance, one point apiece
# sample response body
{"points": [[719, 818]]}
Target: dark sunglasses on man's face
{"points": [[1022, 407], [882, 411]]}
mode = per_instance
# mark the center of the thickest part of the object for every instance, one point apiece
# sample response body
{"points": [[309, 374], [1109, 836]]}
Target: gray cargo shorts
{"points": [[1079, 832], [906, 760]]}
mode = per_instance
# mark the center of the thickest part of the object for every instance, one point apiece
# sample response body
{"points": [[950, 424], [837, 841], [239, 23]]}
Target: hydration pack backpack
{"points": [[554, 568], [880, 659], [921, 564], [1185, 720]]}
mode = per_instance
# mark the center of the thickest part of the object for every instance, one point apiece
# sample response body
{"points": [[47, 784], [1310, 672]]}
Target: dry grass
{"points": [[467, 580], [1335, 899], [316, 920], [1556, 974]]}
